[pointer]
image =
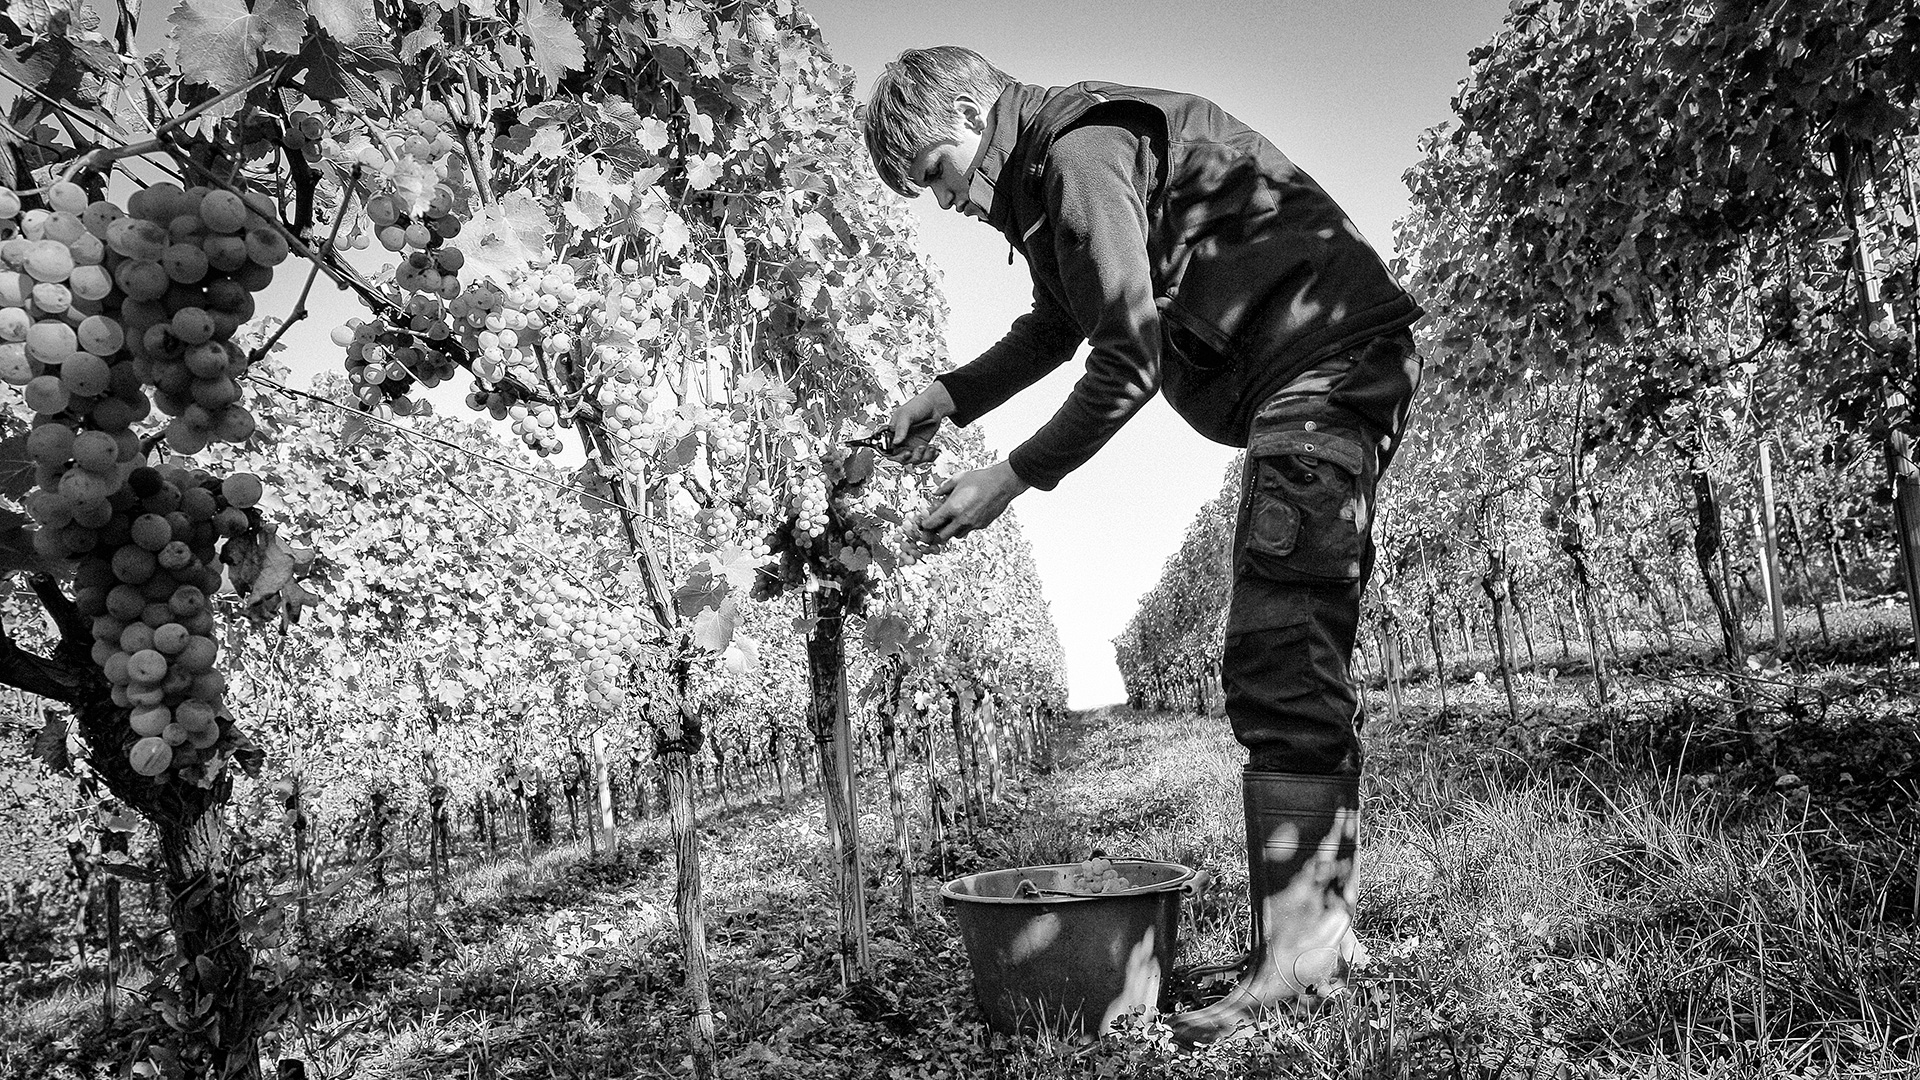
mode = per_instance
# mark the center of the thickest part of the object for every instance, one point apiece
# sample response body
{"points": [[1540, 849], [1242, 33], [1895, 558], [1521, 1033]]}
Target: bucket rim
{"points": [[1174, 884]]}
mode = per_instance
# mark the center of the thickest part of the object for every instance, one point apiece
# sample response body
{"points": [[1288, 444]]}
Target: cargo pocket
{"points": [[1309, 499]]}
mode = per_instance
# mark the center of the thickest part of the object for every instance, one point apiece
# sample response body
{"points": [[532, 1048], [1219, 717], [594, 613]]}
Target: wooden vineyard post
{"points": [[603, 792], [1770, 538], [1494, 584]]}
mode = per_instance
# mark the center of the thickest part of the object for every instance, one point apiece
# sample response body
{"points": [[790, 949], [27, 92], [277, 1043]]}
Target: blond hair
{"points": [[911, 107]]}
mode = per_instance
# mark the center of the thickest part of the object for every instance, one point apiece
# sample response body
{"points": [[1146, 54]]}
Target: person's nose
{"points": [[944, 197]]}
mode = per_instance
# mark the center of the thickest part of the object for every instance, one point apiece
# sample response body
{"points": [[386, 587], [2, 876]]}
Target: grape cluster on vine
{"points": [[106, 314], [609, 638]]}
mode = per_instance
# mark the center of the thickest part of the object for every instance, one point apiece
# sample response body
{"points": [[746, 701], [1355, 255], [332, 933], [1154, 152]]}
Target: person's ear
{"points": [[970, 113]]}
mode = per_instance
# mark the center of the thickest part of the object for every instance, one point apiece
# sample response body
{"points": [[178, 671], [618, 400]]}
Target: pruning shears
{"points": [[882, 439]]}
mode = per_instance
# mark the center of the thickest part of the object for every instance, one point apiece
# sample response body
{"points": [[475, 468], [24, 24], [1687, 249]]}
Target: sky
{"points": [[1344, 88]]}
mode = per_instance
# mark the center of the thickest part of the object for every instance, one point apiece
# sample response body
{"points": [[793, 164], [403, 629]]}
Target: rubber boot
{"points": [[1302, 834]]}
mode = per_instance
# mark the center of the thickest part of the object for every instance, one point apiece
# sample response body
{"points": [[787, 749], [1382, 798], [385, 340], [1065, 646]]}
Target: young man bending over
{"points": [[1197, 261]]}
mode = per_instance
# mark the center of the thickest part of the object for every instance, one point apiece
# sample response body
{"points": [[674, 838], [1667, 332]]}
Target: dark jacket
{"points": [[1182, 245]]}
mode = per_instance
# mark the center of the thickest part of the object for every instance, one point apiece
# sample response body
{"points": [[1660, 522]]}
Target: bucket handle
{"points": [[1197, 884]]}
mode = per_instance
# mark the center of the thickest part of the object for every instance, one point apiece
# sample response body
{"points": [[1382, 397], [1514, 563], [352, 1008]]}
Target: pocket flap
{"points": [[1326, 446]]}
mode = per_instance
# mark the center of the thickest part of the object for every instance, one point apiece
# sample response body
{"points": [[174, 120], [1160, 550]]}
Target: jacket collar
{"points": [[1012, 113]]}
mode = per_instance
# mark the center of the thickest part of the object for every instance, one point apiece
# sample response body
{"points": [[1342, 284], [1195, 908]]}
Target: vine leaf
{"points": [[221, 42], [353, 70], [17, 554], [505, 236], [345, 20], [16, 468], [737, 564], [743, 656], [702, 592], [556, 45], [713, 628]]}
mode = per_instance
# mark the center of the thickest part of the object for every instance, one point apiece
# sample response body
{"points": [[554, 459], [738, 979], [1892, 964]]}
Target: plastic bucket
{"points": [[1068, 963]]}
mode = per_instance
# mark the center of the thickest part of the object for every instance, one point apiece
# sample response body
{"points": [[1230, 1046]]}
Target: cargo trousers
{"points": [[1303, 551]]}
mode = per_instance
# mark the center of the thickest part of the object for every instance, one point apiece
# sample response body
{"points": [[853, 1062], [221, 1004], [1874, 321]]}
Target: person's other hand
{"points": [[913, 425], [969, 501]]}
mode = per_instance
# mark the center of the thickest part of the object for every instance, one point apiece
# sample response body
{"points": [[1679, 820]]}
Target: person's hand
{"points": [[913, 425], [969, 501]]}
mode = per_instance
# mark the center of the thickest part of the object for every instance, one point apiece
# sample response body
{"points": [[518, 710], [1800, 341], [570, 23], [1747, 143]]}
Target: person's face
{"points": [[942, 167]]}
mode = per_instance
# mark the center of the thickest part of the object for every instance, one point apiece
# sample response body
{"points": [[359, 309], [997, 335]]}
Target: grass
{"points": [[1639, 893]]}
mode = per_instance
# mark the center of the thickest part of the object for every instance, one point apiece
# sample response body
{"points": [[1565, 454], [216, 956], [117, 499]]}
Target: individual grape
{"points": [[136, 238], [266, 247], [192, 325], [64, 228], [100, 335], [45, 394], [9, 203], [52, 297], [49, 260], [85, 375], [223, 211], [142, 279], [185, 262], [66, 196], [51, 444], [382, 211], [242, 490], [51, 341], [95, 451], [90, 283], [148, 719], [150, 756], [99, 217]]}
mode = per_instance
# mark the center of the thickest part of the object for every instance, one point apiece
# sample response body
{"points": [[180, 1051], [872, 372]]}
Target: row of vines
{"points": [[648, 235], [1668, 253]]}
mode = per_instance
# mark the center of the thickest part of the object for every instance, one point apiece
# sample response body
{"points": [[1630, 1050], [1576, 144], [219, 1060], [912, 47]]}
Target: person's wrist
{"points": [[940, 399], [1008, 479]]}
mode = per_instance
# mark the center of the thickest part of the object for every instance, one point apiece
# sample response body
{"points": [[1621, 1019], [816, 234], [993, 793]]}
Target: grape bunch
{"points": [[415, 177], [608, 638], [187, 264], [148, 596], [809, 509], [97, 305], [1093, 878], [384, 362]]}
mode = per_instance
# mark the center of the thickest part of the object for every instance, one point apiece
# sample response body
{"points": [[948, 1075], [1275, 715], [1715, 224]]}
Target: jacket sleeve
{"points": [[1096, 184], [1034, 345]]}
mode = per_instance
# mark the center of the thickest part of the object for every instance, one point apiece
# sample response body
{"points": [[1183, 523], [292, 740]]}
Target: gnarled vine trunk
{"points": [[827, 719]]}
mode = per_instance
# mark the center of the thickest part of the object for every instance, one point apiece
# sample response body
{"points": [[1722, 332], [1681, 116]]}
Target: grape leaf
{"points": [[701, 592], [419, 41], [17, 554], [505, 236], [887, 635], [346, 20], [352, 70], [704, 171], [50, 743], [220, 41], [713, 628], [592, 193], [16, 467], [738, 565], [743, 656], [556, 45]]}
